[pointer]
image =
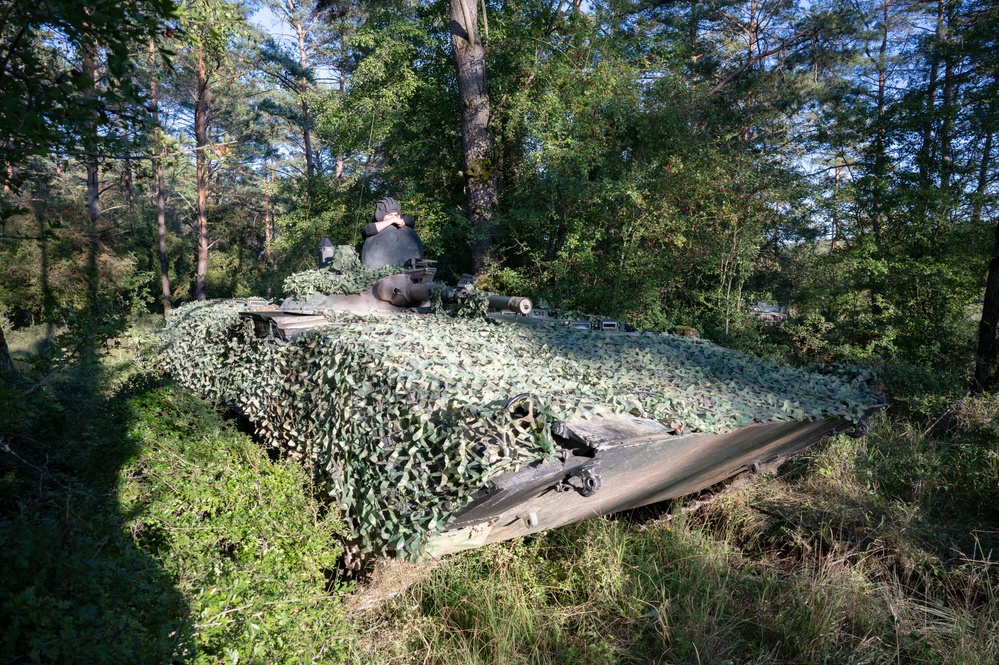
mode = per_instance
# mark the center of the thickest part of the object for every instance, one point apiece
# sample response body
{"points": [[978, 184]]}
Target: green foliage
{"points": [[315, 208], [45, 104], [137, 526], [210, 26], [252, 550], [405, 419], [945, 462]]}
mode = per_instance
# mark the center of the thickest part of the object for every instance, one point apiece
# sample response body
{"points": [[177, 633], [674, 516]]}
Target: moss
{"points": [[480, 170]]}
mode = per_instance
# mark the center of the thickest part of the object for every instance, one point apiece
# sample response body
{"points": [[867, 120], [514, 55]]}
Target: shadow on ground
{"points": [[77, 585]]}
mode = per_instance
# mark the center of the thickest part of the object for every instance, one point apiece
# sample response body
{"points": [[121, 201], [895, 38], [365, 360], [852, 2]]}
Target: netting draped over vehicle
{"points": [[343, 275], [405, 418]]}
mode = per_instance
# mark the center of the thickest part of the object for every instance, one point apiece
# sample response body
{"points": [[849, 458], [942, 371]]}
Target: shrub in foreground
{"points": [[138, 527]]}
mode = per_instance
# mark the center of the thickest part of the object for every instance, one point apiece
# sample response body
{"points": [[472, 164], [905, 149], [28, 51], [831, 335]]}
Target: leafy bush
{"points": [[137, 526]]}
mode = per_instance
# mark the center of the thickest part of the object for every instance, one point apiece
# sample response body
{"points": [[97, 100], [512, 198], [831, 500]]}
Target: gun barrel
{"points": [[516, 304], [422, 291]]}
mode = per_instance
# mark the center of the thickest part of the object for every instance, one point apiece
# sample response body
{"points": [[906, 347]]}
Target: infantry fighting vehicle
{"points": [[436, 433]]}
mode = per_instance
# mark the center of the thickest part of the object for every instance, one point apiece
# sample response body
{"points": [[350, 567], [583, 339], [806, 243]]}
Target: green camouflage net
{"points": [[470, 303], [344, 275], [404, 419]]}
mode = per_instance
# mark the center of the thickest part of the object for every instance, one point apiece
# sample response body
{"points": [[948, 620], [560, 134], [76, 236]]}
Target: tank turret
{"points": [[340, 284]]}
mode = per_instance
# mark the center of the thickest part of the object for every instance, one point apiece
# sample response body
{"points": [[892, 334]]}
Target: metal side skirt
{"points": [[608, 477]]}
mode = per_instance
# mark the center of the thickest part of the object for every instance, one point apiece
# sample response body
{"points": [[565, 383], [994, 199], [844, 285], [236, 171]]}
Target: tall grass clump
{"points": [[561, 597]]}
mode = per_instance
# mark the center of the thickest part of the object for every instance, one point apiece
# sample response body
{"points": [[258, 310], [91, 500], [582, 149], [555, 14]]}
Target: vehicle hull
{"points": [[627, 473]]}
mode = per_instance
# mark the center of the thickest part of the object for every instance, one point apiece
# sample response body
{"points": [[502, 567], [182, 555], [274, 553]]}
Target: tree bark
{"points": [[10, 172], [268, 213], [924, 157], [947, 110], [160, 184], [987, 356], [481, 182], [89, 67], [127, 176], [341, 159], [880, 165], [880, 133], [835, 213], [983, 179], [303, 83], [201, 161], [6, 364]]}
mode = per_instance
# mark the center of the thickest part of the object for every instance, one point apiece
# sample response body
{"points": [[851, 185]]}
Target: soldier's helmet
{"points": [[384, 207]]}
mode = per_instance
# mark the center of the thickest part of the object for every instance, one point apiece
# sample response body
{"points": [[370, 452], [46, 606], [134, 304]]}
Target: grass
{"points": [[837, 560], [136, 525]]}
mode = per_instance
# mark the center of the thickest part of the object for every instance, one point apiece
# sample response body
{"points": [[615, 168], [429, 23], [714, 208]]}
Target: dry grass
{"points": [[832, 561]]}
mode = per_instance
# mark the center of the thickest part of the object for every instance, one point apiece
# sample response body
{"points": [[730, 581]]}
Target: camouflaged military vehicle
{"points": [[441, 418]]}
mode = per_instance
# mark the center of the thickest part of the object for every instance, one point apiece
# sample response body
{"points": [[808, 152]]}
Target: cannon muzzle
{"points": [[517, 304]]}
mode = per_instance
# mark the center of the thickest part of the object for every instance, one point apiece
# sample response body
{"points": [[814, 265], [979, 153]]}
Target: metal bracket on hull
{"points": [[590, 482]]}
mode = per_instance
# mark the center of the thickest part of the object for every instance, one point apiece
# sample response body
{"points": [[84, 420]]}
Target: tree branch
{"points": [[786, 44]]}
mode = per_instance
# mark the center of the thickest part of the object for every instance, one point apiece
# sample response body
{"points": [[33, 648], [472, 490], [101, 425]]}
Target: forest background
{"points": [[665, 163]]}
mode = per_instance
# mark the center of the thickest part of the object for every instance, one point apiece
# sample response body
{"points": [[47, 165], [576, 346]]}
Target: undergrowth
{"points": [[866, 551], [137, 526]]}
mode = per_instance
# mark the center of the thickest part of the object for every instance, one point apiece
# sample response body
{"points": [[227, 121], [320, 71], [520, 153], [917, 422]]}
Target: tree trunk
{"points": [[983, 180], [89, 66], [160, 184], [481, 183], [268, 213], [303, 83], [692, 29], [880, 132], [12, 174], [880, 167], [835, 214], [201, 160], [6, 364], [340, 157], [48, 299], [947, 110], [987, 356], [127, 177], [924, 157]]}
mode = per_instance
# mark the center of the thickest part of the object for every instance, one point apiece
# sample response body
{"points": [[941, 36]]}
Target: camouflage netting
{"points": [[343, 275], [405, 418]]}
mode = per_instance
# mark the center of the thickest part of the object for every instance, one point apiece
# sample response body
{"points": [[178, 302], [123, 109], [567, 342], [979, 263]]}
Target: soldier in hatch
{"points": [[389, 240]]}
